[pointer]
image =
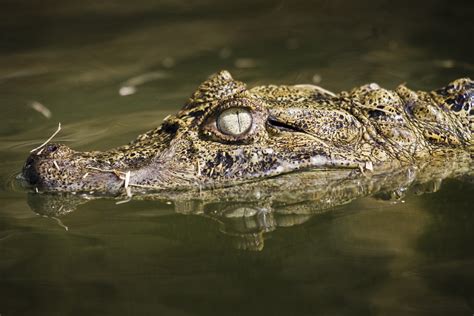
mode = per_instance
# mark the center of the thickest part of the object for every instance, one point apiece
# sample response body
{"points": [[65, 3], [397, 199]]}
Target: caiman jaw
{"points": [[57, 167]]}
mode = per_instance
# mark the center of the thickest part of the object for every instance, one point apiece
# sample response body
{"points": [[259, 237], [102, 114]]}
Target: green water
{"points": [[368, 257]]}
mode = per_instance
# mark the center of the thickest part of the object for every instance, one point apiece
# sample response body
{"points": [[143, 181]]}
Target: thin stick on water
{"points": [[123, 201], [60, 223], [128, 191], [47, 141]]}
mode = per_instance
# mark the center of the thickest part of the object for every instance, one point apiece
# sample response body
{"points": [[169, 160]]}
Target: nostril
{"points": [[52, 151], [51, 148], [29, 162]]}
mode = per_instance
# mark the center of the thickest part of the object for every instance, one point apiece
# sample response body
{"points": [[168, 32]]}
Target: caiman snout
{"points": [[38, 159], [58, 167]]}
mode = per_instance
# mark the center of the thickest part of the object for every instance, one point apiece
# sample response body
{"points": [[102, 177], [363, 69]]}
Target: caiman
{"points": [[256, 159], [227, 134]]}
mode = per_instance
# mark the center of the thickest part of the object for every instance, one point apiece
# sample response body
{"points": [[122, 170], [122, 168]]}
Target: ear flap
{"points": [[217, 87]]}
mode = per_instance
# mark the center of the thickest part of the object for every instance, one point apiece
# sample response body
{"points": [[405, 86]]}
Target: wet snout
{"points": [[39, 161], [56, 167]]}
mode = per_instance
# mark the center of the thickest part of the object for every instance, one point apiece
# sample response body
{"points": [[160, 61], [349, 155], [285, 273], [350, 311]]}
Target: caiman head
{"points": [[228, 134]]}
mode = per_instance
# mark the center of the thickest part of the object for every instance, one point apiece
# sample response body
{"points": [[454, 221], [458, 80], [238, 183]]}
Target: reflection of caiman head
{"points": [[247, 212], [228, 134]]}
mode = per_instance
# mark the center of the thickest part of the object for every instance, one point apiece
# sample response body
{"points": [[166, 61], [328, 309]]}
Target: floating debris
{"points": [[40, 108], [123, 201], [128, 90], [144, 78], [130, 86], [40, 147], [128, 191], [60, 223]]}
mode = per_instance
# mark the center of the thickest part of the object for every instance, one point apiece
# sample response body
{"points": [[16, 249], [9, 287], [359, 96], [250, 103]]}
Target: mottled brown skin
{"points": [[300, 127]]}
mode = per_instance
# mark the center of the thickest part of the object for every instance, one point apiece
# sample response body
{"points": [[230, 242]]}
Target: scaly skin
{"points": [[369, 129]]}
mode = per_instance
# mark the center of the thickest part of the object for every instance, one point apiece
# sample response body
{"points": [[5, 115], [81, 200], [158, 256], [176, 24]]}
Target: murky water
{"points": [[109, 72]]}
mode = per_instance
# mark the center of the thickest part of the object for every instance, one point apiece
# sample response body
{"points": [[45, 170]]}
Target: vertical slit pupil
{"points": [[238, 121]]}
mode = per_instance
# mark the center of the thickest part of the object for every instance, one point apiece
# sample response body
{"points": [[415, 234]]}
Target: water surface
{"points": [[368, 257]]}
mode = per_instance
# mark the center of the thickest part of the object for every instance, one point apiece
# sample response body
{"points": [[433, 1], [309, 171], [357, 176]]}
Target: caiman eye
{"points": [[234, 121]]}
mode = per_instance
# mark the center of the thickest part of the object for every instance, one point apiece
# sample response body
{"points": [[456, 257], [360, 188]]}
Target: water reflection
{"points": [[365, 257], [247, 212]]}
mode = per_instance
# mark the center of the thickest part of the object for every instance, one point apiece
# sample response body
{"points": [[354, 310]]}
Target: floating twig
{"points": [[123, 201], [38, 107], [60, 223], [130, 86], [47, 141], [128, 191]]}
